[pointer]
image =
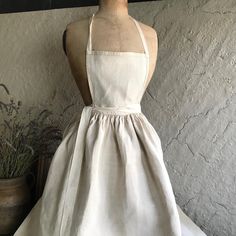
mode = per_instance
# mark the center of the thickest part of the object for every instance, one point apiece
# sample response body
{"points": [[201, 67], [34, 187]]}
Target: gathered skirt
{"points": [[108, 178]]}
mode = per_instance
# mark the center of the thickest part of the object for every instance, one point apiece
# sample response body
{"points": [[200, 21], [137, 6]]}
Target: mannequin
{"points": [[113, 31]]}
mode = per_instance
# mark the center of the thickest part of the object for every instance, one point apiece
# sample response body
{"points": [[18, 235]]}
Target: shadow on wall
{"points": [[7, 6]]}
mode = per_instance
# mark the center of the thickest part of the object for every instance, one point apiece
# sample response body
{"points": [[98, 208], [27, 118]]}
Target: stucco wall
{"points": [[190, 100]]}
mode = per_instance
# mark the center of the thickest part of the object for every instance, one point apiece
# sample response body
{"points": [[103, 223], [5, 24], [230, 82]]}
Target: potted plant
{"points": [[22, 144]]}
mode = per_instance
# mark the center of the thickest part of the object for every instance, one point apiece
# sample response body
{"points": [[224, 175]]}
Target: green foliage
{"points": [[23, 142]]}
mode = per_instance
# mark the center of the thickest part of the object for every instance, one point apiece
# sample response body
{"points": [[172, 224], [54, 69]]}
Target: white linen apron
{"points": [[107, 177]]}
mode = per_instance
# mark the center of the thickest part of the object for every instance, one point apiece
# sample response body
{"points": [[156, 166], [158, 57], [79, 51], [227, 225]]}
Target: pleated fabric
{"points": [[107, 177]]}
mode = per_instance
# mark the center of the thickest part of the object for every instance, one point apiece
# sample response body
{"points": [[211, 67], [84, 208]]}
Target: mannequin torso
{"points": [[108, 34]]}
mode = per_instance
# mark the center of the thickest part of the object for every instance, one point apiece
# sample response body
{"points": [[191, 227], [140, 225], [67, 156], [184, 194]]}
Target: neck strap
{"points": [[89, 44]]}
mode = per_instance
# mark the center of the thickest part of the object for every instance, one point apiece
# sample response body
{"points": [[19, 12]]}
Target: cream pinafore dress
{"points": [[107, 177]]}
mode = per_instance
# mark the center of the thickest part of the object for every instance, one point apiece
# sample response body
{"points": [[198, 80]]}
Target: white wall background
{"points": [[191, 100]]}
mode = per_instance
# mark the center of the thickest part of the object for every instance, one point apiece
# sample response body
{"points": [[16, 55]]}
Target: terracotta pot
{"points": [[14, 203]]}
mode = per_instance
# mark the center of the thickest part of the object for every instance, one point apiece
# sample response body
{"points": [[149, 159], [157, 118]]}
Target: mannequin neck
{"points": [[113, 8]]}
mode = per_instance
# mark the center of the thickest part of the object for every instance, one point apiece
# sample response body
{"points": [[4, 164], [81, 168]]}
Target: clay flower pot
{"points": [[14, 203]]}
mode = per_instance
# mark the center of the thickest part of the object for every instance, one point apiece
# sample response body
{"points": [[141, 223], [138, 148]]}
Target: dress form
{"points": [[115, 31]]}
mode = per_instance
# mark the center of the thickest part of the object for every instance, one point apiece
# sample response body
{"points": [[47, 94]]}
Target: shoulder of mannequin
{"points": [[78, 24], [148, 30]]}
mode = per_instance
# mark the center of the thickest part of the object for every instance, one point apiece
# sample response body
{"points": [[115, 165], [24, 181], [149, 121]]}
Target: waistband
{"points": [[127, 109]]}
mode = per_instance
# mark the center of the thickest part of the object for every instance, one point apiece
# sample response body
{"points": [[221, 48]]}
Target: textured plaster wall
{"points": [[190, 100], [192, 104]]}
